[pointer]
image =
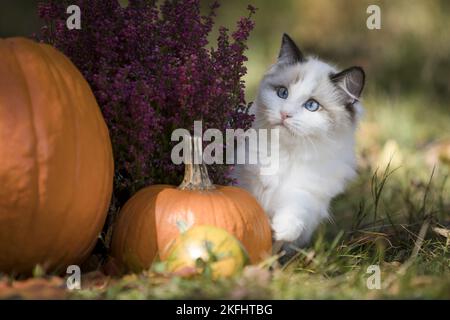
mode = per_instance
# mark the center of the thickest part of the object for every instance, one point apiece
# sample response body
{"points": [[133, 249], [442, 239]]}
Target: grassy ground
{"points": [[396, 215]]}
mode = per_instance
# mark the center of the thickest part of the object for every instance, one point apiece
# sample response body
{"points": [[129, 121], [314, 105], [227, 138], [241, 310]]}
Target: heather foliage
{"points": [[152, 70]]}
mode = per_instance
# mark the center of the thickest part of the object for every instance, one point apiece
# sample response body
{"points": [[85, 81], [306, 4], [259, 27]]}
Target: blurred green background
{"points": [[410, 54], [407, 61]]}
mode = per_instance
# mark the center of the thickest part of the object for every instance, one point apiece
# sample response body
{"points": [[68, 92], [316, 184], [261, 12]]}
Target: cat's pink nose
{"points": [[284, 115]]}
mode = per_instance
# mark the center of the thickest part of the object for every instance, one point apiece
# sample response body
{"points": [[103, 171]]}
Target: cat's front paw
{"points": [[286, 227]]}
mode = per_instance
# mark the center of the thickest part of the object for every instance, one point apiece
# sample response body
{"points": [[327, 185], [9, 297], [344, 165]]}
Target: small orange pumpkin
{"points": [[56, 165], [149, 222]]}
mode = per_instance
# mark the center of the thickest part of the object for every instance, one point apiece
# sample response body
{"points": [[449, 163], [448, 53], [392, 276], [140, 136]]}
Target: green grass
{"points": [[387, 217], [383, 229]]}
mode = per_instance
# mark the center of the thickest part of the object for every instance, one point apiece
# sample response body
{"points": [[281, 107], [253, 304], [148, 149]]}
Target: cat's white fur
{"points": [[316, 150]]}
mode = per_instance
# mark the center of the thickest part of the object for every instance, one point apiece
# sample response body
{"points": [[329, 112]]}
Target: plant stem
{"points": [[195, 171]]}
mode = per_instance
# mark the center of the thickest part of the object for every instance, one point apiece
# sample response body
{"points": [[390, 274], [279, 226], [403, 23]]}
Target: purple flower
{"points": [[151, 69]]}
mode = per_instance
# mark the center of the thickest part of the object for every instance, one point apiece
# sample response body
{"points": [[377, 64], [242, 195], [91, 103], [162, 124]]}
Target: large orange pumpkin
{"points": [[150, 221], [56, 165]]}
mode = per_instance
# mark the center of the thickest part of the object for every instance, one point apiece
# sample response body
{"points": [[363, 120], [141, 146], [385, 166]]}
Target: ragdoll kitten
{"points": [[316, 109]]}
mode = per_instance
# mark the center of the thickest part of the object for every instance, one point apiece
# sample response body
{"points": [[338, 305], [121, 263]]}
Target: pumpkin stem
{"points": [[195, 171]]}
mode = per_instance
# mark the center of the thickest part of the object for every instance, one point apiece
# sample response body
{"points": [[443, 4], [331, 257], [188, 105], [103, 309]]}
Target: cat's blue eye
{"points": [[282, 92], [311, 105]]}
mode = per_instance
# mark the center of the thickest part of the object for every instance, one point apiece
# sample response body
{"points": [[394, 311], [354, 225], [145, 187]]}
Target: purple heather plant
{"points": [[151, 70]]}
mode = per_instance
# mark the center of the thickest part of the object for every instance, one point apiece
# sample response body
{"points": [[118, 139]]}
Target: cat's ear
{"points": [[351, 81], [289, 52]]}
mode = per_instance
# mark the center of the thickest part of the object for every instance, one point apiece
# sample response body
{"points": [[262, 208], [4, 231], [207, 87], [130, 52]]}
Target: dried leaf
{"points": [[94, 280], [34, 288], [442, 231]]}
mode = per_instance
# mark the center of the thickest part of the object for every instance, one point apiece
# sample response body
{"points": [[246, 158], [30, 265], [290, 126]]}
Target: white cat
{"points": [[316, 109]]}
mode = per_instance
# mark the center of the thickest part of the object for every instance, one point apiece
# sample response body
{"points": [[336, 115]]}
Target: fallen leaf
{"points": [[390, 155], [94, 280], [438, 152], [442, 231], [34, 288]]}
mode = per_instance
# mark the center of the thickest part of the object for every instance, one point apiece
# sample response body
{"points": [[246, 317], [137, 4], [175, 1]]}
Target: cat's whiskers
{"points": [[308, 138]]}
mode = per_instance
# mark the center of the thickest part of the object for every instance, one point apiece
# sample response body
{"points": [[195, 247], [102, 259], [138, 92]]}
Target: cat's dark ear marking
{"points": [[289, 52], [351, 80]]}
